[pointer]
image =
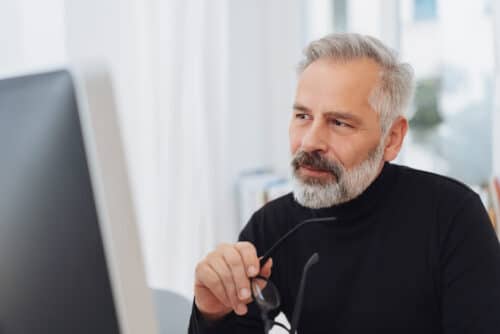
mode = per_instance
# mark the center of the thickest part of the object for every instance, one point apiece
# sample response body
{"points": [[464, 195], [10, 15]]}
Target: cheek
{"points": [[353, 155], [349, 151], [295, 139]]}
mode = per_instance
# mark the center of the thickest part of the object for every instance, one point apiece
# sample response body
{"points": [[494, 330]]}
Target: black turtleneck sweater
{"points": [[415, 253]]}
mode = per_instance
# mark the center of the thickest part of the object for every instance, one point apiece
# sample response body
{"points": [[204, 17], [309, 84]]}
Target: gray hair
{"points": [[393, 93]]}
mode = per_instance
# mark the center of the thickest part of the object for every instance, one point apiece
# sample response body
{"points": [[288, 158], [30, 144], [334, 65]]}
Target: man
{"points": [[409, 251]]}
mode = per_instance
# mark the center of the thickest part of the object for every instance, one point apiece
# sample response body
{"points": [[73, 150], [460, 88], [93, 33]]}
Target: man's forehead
{"points": [[331, 100], [337, 86], [330, 72], [345, 114]]}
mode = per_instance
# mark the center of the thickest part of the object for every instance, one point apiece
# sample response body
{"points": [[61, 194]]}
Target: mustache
{"points": [[317, 161]]}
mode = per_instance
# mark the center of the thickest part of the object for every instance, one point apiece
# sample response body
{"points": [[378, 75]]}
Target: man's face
{"points": [[334, 132]]}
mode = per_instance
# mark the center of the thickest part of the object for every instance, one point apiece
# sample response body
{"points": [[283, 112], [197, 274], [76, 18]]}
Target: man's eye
{"points": [[302, 116], [336, 122]]}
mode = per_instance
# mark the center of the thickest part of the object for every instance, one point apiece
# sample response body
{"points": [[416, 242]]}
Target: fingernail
{"points": [[244, 293], [252, 271], [242, 309]]}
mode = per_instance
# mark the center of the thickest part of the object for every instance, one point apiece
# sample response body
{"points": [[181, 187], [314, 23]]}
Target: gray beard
{"points": [[349, 184]]}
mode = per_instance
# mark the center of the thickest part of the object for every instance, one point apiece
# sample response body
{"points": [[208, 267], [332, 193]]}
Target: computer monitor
{"points": [[70, 259]]}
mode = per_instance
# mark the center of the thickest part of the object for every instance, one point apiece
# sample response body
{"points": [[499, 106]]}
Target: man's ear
{"points": [[395, 137]]}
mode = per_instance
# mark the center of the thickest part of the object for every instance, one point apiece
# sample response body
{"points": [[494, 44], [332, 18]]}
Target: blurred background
{"points": [[205, 88]]}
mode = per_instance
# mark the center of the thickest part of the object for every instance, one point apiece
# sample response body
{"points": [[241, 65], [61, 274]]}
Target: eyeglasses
{"points": [[266, 294]]}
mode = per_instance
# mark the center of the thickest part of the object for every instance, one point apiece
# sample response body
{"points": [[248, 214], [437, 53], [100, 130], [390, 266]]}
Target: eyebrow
{"points": [[344, 115]]}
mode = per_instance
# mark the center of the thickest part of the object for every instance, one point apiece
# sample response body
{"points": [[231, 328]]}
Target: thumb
{"points": [[265, 271]]}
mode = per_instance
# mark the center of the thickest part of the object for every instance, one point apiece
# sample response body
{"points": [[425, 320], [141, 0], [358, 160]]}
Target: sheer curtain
{"points": [[204, 90], [195, 194], [168, 63], [224, 86], [496, 112]]}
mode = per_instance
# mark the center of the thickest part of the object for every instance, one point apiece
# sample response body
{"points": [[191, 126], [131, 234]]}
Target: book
{"points": [[256, 188], [494, 207]]}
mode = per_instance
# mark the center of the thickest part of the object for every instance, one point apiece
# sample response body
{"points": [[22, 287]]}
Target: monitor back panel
{"points": [[53, 273]]}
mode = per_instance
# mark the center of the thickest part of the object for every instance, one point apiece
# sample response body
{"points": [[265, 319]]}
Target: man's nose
{"points": [[315, 139]]}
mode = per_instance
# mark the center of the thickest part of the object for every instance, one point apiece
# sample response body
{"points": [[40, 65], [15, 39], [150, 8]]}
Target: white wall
{"points": [[378, 18], [139, 40], [264, 48], [116, 32], [10, 35], [496, 112], [32, 36]]}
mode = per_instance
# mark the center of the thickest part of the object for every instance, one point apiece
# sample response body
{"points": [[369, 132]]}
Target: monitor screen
{"points": [[53, 272]]}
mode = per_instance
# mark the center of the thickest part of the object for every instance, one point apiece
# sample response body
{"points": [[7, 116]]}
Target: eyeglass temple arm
{"points": [[300, 297], [270, 251], [275, 323]]}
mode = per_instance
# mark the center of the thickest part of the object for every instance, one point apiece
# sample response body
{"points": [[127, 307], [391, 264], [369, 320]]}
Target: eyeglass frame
{"points": [[268, 323]]}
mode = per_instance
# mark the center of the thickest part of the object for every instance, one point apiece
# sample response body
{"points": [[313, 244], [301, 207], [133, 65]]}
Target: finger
{"points": [[241, 281], [209, 278], [249, 255], [266, 269], [218, 264]]}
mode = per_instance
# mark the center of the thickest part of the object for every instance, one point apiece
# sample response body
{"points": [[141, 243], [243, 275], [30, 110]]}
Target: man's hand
{"points": [[222, 281]]}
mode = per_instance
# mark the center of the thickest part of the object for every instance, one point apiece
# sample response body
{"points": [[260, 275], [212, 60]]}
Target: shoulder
{"points": [[445, 183], [441, 201], [432, 186]]}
